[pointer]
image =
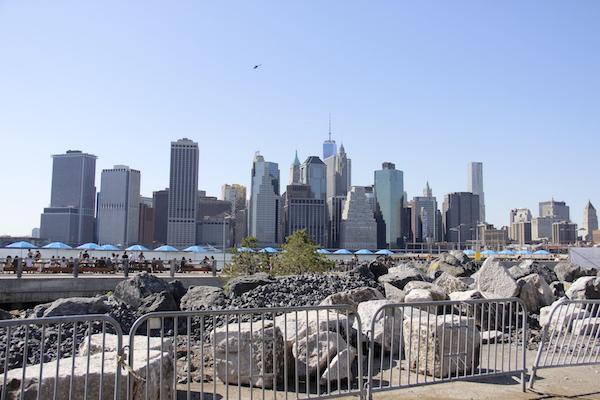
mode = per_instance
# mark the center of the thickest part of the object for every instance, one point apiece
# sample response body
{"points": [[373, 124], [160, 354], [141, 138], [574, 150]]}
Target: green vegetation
{"points": [[299, 256]]}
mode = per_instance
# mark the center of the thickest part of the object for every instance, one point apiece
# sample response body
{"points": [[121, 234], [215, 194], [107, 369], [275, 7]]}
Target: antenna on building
{"points": [[330, 127]]}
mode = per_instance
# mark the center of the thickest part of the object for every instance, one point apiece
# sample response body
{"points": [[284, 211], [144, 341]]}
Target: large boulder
{"points": [[353, 297], [316, 351], [378, 268], [98, 343], [587, 326], [393, 293], [399, 277], [425, 295], [494, 278], [429, 343], [295, 326], [450, 283], [241, 284], [466, 295], [460, 256], [436, 268], [584, 288], [135, 291], [251, 355], [163, 301], [544, 293], [177, 289], [451, 258], [76, 306], [340, 366], [202, 298], [569, 272], [5, 314], [529, 267], [386, 324], [529, 295], [564, 316], [98, 375], [558, 289]]}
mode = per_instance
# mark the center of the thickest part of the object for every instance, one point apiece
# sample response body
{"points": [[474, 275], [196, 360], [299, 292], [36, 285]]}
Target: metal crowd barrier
{"points": [[415, 344], [298, 352], [570, 337], [60, 358]]}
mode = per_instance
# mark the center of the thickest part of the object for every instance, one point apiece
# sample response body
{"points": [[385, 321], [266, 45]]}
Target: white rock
{"points": [[239, 353], [494, 278], [46, 389], [493, 337], [353, 297], [564, 316], [294, 326], [314, 352], [111, 344], [466, 295], [339, 366], [587, 326], [386, 328]]}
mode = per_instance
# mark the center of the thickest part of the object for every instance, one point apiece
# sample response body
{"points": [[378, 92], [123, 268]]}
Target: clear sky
{"points": [[428, 85]]}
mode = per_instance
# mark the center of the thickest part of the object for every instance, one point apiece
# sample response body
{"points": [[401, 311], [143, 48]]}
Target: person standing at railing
{"points": [[29, 262]]}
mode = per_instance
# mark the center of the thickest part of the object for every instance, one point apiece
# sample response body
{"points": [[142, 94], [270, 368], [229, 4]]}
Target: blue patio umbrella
{"points": [[137, 247], [507, 252], [523, 252], [269, 250], [363, 252], [469, 252], [196, 249], [57, 245], [323, 251], [210, 247], [384, 252], [342, 251], [21, 245], [542, 252], [245, 250], [165, 248], [488, 253], [111, 247], [89, 246]]}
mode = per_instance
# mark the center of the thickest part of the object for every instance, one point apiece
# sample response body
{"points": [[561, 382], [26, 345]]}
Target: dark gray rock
{"points": [[584, 288], [134, 291], [245, 283], [202, 298], [5, 314], [362, 271], [76, 306], [558, 289], [529, 267], [162, 301], [450, 259], [177, 290], [569, 272], [378, 268], [399, 277]]}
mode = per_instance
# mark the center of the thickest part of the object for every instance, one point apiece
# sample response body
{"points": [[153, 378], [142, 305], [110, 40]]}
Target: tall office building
{"points": [[329, 146], [461, 216], [313, 172], [564, 232], [119, 206], [160, 204], [338, 180], [389, 193], [295, 170], [301, 210], [520, 225], [476, 186], [264, 214], [70, 217], [183, 193], [558, 210], [358, 228], [236, 195], [541, 228], [146, 224], [590, 221], [214, 221], [424, 217]]}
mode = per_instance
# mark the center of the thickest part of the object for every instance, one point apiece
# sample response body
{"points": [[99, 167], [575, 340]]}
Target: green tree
{"points": [[300, 256], [246, 262]]}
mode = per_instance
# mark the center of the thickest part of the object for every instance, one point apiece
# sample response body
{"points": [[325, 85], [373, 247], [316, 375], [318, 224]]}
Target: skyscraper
{"points": [[476, 186], [183, 193], [358, 228], [303, 211], [236, 195], [160, 204], [264, 214], [329, 146], [146, 224], [558, 210], [389, 193], [313, 172], [338, 170], [590, 221], [70, 217], [461, 216], [119, 206], [424, 220], [295, 170]]}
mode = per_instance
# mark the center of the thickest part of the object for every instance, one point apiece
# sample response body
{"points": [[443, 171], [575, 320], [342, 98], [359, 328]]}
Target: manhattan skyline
{"points": [[429, 87]]}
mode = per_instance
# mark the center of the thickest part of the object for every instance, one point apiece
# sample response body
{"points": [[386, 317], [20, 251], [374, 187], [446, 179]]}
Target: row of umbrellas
{"points": [[508, 252], [94, 246], [271, 250]]}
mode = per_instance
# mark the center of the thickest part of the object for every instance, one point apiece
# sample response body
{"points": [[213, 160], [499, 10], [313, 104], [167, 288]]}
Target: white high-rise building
{"points": [[119, 206], [476, 186], [358, 229], [590, 221], [183, 193], [264, 214]]}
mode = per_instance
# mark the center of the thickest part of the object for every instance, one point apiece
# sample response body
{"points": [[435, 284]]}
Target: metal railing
{"points": [[415, 344], [298, 352], [570, 336], [67, 357]]}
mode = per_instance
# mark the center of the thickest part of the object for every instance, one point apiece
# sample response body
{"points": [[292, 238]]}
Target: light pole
{"points": [[226, 217], [457, 229]]}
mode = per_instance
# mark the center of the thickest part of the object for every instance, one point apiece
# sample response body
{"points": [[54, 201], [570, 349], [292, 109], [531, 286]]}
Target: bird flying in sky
{"points": [[256, 66]]}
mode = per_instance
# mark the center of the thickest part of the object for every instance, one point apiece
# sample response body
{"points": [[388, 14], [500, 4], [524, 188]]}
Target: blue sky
{"points": [[427, 85]]}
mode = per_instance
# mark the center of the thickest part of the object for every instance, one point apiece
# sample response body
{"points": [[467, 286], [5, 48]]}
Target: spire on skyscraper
{"points": [[427, 190], [296, 159]]}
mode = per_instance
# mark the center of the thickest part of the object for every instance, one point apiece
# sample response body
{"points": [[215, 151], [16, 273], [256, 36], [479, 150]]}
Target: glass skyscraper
{"points": [[389, 193]]}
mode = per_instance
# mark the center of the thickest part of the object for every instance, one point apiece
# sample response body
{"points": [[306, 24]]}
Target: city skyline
{"points": [[429, 87]]}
